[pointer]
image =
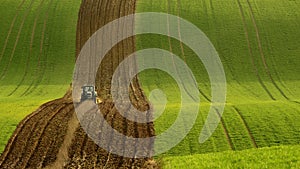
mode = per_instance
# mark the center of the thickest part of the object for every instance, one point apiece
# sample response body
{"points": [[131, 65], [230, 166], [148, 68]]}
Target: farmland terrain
{"points": [[258, 44], [52, 137]]}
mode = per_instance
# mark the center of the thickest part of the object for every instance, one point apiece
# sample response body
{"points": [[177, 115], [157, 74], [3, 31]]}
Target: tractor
{"points": [[89, 93]]}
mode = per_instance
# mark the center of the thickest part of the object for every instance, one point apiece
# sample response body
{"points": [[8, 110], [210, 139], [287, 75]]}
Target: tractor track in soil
{"points": [[41, 137], [246, 126], [11, 28], [266, 67], [30, 49], [251, 51], [4, 71]]}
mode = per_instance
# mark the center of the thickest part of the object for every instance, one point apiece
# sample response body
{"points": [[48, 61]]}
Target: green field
{"points": [[258, 44], [37, 50], [274, 157]]}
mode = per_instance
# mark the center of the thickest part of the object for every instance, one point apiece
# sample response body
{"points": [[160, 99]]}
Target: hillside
{"points": [[257, 42], [37, 49], [258, 45]]}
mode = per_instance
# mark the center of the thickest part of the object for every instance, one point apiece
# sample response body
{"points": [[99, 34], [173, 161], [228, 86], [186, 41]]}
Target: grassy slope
{"points": [[271, 119], [274, 157], [37, 45]]}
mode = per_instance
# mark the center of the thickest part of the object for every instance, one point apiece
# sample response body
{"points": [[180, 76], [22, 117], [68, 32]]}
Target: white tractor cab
{"points": [[89, 93]]}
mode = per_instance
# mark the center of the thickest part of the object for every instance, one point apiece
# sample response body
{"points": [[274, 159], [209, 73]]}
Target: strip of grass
{"points": [[275, 157]]}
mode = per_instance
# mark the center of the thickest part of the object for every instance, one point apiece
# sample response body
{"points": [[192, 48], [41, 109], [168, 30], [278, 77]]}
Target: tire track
{"points": [[174, 65], [246, 126], [11, 28], [37, 73], [113, 118], [30, 48], [251, 52], [4, 71], [273, 62], [228, 138], [226, 62], [171, 50], [262, 53]]}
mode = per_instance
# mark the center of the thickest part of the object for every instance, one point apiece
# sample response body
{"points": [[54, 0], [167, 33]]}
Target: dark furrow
{"points": [[246, 126], [4, 71], [92, 148], [251, 52], [111, 159], [104, 159], [123, 53], [119, 122], [262, 53], [103, 82]]}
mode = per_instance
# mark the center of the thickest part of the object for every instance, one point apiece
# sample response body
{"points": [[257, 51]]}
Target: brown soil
{"points": [[52, 132]]}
